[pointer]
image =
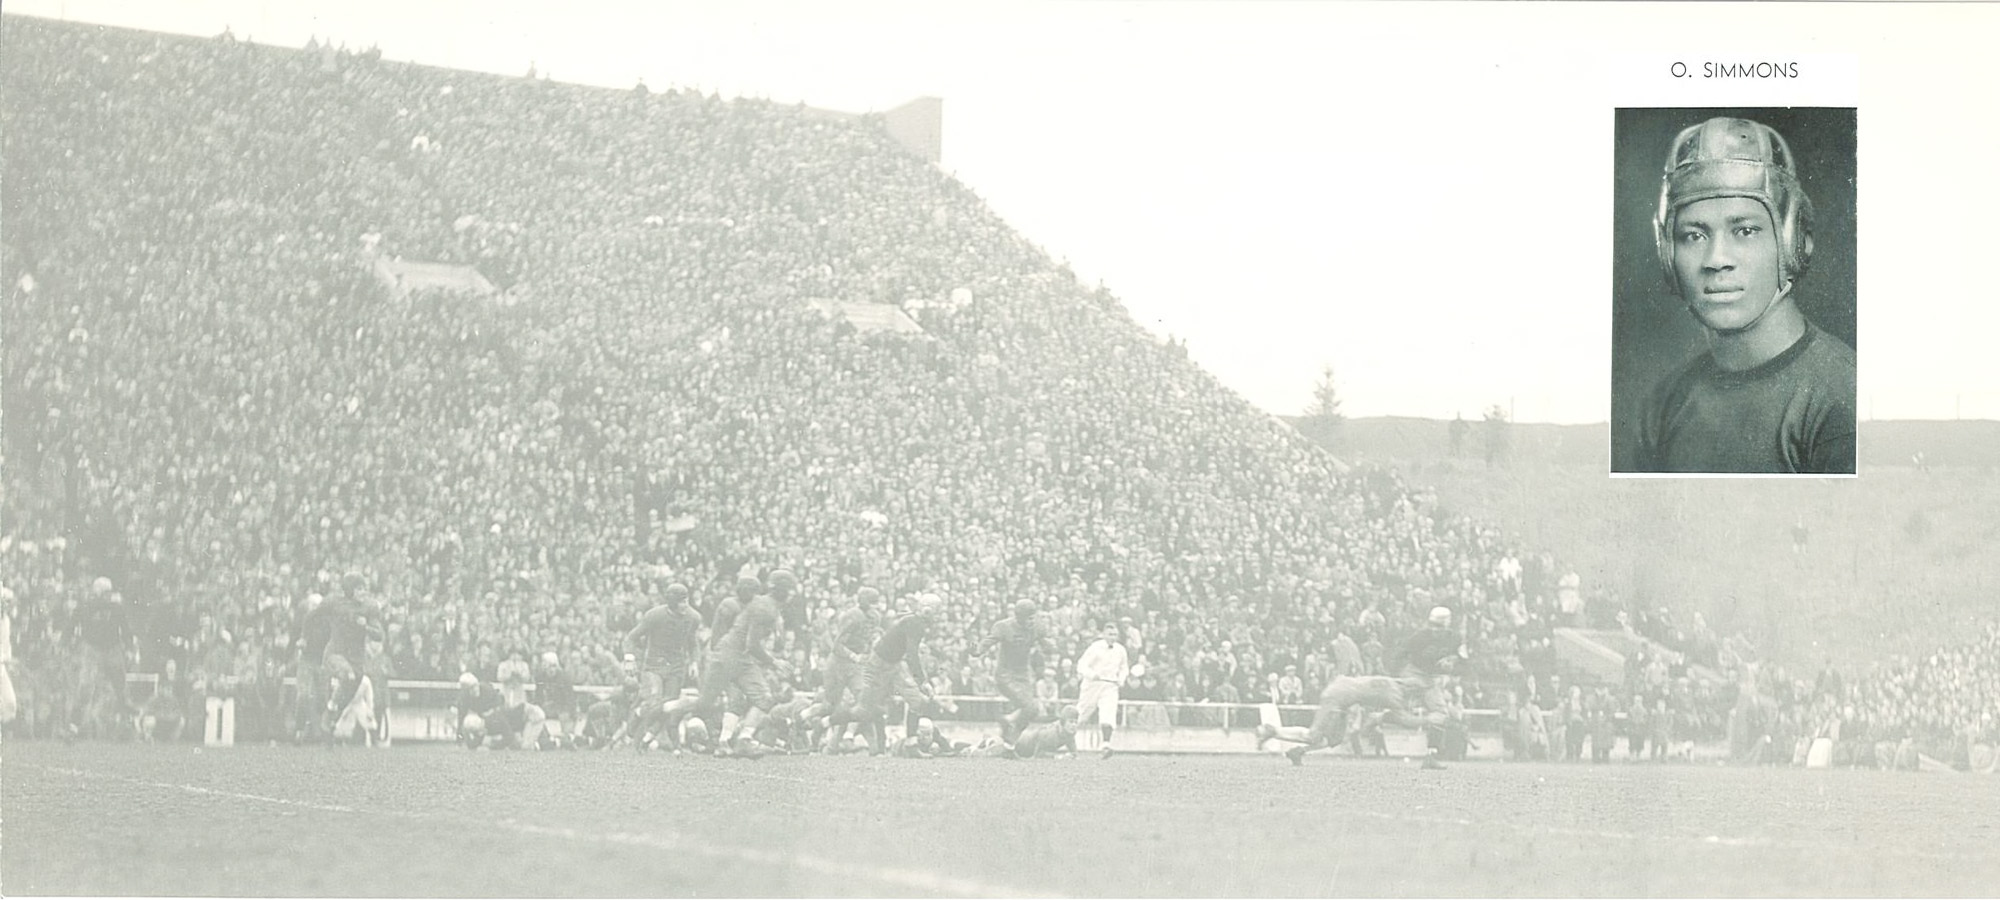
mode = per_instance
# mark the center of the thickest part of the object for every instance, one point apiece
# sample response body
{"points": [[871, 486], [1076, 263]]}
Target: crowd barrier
{"points": [[421, 712]]}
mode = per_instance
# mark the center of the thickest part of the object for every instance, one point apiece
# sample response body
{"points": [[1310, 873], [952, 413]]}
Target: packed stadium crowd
{"points": [[219, 409]]}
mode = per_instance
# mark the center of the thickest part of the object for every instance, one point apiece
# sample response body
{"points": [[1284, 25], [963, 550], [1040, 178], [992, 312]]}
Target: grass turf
{"points": [[435, 821]]}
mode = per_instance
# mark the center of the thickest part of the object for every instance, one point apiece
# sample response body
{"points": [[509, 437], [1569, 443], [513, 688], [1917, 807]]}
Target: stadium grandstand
{"points": [[517, 353]]}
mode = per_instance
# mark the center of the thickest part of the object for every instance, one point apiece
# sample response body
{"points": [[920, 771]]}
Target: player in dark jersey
{"points": [[476, 702], [671, 633], [1427, 656], [797, 618], [854, 634], [604, 717], [354, 620], [739, 666], [518, 723], [719, 624], [106, 633], [1020, 640], [925, 741], [1057, 738], [884, 674], [787, 727], [556, 694]]}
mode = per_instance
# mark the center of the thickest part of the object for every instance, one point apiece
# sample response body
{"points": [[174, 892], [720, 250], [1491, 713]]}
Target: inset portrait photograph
{"points": [[1733, 308]]}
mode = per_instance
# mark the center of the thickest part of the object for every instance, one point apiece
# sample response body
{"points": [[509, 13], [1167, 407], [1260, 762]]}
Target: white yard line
{"points": [[918, 881], [1531, 828]]}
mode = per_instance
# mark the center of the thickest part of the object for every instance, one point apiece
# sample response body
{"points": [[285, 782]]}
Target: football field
{"points": [[436, 821]]}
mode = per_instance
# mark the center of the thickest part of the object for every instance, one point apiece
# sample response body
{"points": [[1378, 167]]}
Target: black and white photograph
{"points": [[1734, 312], [1110, 449]]}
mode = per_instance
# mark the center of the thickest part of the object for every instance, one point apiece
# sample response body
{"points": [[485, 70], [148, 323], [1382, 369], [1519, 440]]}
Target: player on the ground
{"points": [[1426, 656], [1102, 669], [557, 694], [884, 674], [925, 741], [671, 634], [476, 701], [605, 717], [1045, 739], [517, 723], [787, 726]]}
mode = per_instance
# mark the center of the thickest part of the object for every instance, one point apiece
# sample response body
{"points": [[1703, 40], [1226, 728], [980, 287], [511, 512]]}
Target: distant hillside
{"points": [[1897, 560], [1968, 443]]}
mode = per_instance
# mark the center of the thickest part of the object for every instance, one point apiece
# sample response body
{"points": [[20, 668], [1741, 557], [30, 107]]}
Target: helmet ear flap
{"points": [[1798, 234], [1663, 238]]}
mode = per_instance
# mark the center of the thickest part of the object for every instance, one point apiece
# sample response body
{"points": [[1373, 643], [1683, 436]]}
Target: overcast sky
{"points": [[1416, 195]]}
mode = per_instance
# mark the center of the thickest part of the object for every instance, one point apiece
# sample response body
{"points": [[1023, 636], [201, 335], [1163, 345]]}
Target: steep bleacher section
{"points": [[211, 398]]}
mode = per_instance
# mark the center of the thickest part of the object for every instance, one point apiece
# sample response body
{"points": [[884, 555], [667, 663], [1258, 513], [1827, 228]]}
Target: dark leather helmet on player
{"points": [[1728, 157]]}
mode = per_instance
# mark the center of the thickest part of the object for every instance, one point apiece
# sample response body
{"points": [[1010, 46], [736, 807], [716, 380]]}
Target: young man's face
{"points": [[1726, 259]]}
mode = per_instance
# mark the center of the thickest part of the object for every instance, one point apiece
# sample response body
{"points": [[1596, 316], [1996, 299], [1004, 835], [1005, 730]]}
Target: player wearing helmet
{"points": [[670, 633], [353, 622], [605, 717], [476, 701], [1018, 639], [709, 702], [884, 674], [741, 665], [1057, 738], [103, 625], [927, 741], [556, 694], [1426, 657], [1773, 393], [854, 634], [793, 607]]}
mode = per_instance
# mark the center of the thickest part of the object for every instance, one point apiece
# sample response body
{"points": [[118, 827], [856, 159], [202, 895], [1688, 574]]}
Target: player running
{"points": [[671, 634], [1426, 656], [708, 701], [354, 620], [884, 675], [854, 634], [797, 618], [742, 665], [1103, 669], [1019, 640]]}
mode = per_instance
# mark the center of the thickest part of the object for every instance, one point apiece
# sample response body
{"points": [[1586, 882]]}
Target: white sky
{"points": [[1418, 195]]}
